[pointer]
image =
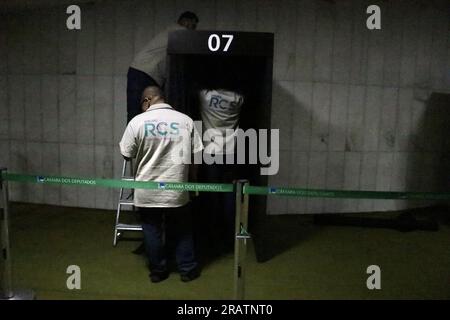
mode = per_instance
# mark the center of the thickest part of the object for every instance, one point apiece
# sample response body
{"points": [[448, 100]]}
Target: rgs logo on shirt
{"points": [[161, 129], [217, 101]]}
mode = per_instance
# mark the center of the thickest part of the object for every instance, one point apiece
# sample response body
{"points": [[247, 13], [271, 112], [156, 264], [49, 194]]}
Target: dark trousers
{"points": [[220, 206], [177, 225], [137, 81]]}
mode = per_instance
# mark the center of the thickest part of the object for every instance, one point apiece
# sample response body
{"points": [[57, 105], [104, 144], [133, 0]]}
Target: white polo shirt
{"points": [[152, 58], [220, 110], [154, 138]]}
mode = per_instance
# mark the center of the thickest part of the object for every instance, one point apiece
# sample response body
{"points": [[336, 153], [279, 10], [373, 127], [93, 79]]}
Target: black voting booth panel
{"points": [[238, 61], [245, 66]]}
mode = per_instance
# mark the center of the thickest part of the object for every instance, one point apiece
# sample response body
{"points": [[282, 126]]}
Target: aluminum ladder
{"points": [[125, 200]]}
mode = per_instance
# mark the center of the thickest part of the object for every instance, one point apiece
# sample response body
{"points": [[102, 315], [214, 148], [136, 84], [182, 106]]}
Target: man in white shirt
{"points": [[149, 65], [220, 111], [154, 139]]}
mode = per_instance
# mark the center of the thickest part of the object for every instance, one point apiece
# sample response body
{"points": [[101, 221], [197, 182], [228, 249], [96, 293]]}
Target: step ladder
{"points": [[125, 200]]}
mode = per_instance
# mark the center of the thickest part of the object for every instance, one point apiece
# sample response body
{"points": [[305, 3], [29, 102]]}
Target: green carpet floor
{"points": [[316, 262]]}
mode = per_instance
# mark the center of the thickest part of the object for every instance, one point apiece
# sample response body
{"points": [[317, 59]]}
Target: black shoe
{"points": [[191, 275], [156, 277]]}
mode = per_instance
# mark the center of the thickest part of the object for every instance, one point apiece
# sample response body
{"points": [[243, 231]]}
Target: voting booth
{"points": [[239, 61]]}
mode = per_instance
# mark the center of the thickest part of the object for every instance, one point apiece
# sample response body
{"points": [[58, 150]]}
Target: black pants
{"points": [[177, 225], [137, 81], [220, 206]]}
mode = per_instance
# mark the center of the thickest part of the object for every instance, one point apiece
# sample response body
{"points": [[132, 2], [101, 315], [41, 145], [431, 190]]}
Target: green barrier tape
{"points": [[347, 194], [217, 187], [117, 183]]}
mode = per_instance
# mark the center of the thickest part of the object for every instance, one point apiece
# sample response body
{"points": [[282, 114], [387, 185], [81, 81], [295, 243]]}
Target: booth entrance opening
{"points": [[240, 62]]}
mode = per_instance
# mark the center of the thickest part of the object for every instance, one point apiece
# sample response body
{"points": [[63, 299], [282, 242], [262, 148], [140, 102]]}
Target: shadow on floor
{"points": [[425, 219], [282, 232]]}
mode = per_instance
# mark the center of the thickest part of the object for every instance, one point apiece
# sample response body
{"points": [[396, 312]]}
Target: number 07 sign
{"points": [[215, 44], [229, 43]]}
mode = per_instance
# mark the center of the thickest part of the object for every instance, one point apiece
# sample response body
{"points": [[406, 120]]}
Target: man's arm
{"points": [[128, 146]]}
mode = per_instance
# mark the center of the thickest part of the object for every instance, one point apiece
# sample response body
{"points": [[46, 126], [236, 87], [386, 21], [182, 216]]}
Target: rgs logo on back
{"points": [[161, 129], [217, 101]]}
